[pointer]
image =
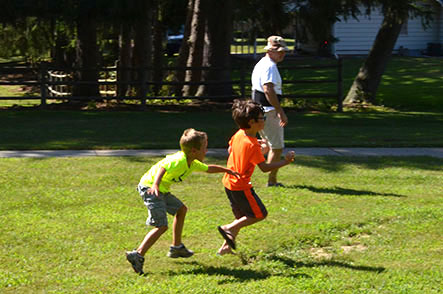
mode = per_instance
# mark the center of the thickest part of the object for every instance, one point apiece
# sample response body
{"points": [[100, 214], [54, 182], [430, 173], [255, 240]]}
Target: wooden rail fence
{"points": [[57, 83]]}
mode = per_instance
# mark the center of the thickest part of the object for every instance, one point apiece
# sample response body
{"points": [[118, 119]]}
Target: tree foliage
{"points": [[315, 18], [268, 18], [82, 32]]}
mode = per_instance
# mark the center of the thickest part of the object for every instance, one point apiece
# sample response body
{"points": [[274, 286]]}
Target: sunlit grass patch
{"points": [[341, 225]]}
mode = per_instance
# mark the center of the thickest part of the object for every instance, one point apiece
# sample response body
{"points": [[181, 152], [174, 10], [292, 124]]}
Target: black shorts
{"points": [[246, 203]]}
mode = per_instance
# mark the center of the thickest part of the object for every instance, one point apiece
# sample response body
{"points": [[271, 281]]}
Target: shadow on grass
{"points": [[331, 263], [342, 191], [233, 275], [338, 163], [150, 160], [327, 163]]}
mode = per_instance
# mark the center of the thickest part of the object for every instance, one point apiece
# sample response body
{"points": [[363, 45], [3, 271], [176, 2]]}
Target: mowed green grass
{"points": [[342, 225], [408, 83], [31, 130]]}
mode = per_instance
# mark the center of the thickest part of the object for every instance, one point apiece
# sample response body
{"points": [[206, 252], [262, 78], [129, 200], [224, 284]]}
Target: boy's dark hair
{"points": [[192, 139], [245, 110]]}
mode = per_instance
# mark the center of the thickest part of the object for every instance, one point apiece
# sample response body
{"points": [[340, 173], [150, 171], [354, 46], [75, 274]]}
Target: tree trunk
{"points": [[86, 58], [196, 46], [62, 54], [142, 48], [364, 88], [184, 49], [125, 55], [218, 59], [157, 62]]}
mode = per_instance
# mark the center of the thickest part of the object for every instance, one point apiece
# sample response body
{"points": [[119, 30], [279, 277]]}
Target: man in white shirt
{"points": [[266, 90]]}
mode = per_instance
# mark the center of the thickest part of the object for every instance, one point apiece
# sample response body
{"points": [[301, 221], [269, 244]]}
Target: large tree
{"points": [[269, 18], [396, 13], [218, 58], [83, 23], [317, 17], [25, 30], [86, 50], [182, 59], [207, 40], [196, 42], [169, 16]]}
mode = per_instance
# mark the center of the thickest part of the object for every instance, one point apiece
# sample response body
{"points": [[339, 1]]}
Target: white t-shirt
{"points": [[266, 71]]}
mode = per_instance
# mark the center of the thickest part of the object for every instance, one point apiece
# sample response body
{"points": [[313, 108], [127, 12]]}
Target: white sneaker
{"points": [[136, 261], [179, 251]]}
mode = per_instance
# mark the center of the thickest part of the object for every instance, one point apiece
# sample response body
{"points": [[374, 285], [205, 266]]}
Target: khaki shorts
{"points": [[159, 206], [273, 132]]}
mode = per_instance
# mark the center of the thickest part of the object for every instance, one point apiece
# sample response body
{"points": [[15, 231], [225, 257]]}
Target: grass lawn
{"points": [[342, 225], [408, 83], [16, 91], [153, 130]]}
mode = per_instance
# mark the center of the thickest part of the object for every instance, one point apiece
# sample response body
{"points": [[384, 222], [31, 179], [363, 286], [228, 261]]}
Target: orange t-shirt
{"points": [[245, 155]]}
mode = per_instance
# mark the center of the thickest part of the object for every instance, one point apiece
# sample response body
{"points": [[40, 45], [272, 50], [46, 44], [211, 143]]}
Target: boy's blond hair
{"points": [[192, 139]]}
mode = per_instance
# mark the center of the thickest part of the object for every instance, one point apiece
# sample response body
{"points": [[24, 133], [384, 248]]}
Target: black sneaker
{"points": [[136, 261], [179, 251]]}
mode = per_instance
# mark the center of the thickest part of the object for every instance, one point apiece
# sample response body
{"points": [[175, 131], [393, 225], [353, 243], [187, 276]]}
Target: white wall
{"points": [[357, 36], [417, 38]]}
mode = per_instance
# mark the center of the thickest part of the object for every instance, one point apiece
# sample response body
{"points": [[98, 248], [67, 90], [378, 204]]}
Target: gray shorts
{"points": [[159, 206], [273, 132]]}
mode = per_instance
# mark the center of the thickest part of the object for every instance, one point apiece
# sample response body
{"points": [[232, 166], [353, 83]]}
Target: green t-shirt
{"points": [[176, 168]]}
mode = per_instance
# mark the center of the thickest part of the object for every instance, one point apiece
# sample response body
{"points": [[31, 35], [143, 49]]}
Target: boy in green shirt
{"points": [[154, 189]]}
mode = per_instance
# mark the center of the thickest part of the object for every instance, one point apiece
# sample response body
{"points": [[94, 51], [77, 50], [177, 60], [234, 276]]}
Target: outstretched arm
{"points": [[266, 167], [212, 168], [264, 146]]}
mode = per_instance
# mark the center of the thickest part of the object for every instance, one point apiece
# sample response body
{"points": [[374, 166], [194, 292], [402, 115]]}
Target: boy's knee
{"points": [[162, 229], [182, 210]]}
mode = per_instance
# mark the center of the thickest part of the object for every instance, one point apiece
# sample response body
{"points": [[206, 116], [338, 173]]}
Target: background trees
{"points": [[207, 42], [86, 34]]}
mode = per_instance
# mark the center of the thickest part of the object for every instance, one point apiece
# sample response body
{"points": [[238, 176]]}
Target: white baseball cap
{"points": [[276, 43]]}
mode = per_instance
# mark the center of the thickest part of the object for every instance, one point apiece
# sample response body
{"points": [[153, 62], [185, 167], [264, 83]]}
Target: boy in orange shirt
{"points": [[245, 152]]}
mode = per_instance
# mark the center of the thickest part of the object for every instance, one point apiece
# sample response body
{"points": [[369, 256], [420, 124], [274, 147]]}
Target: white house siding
{"points": [[417, 38], [357, 36]]}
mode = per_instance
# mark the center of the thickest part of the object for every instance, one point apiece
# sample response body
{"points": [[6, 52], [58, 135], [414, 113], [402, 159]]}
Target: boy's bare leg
{"points": [[150, 239], [177, 227], [239, 223], [225, 249], [234, 229], [273, 156]]}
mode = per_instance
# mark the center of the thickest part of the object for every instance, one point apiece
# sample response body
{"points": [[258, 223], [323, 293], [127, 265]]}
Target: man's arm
{"points": [[272, 98]]}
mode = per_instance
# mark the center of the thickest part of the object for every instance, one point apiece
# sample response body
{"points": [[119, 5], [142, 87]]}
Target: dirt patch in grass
{"points": [[321, 253], [355, 247]]}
